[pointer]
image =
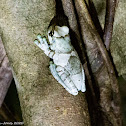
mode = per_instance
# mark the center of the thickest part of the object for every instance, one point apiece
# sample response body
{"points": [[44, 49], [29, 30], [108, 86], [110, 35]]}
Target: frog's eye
{"points": [[51, 33]]}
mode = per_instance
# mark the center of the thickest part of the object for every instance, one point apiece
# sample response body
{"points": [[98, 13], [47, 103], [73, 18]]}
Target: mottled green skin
{"points": [[43, 101]]}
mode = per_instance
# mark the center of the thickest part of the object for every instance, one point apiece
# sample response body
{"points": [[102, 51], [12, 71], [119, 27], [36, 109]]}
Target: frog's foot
{"points": [[41, 42], [63, 77]]}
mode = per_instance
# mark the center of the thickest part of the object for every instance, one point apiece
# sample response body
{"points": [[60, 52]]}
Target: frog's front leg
{"points": [[42, 44]]}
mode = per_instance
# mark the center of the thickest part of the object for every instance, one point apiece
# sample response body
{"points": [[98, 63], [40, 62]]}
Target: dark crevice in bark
{"points": [[92, 93], [94, 17], [6, 113]]}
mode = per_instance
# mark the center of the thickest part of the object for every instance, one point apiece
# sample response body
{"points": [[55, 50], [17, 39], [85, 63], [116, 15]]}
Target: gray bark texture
{"points": [[118, 44], [5, 73], [102, 69], [44, 102]]}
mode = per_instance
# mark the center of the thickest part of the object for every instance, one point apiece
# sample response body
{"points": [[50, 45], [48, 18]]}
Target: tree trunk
{"points": [[5, 73], [44, 102], [118, 44]]}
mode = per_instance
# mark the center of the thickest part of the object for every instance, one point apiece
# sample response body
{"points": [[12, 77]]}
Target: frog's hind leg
{"points": [[61, 76], [65, 76], [55, 74], [76, 72]]}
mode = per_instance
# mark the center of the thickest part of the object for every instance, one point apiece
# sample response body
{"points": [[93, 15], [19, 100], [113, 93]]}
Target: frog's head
{"points": [[57, 32]]}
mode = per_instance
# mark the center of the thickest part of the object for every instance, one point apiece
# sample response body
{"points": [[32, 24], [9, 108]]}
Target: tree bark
{"points": [[102, 69], [5, 73], [118, 44], [44, 102]]}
